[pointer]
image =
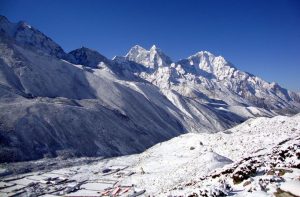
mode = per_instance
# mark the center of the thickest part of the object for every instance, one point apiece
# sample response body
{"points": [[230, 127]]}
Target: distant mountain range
{"points": [[83, 104]]}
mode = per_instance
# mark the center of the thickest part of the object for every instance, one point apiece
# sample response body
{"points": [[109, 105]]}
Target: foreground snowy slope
{"points": [[191, 156], [185, 164], [273, 173]]}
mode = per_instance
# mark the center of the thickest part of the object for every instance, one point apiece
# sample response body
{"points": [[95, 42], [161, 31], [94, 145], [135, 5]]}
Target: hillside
{"points": [[205, 164]]}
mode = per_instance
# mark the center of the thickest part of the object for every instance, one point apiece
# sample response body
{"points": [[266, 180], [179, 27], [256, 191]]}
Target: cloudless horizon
{"points": [[259, 37]]}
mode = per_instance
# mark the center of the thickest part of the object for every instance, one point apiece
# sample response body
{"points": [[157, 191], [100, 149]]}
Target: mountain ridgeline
{"points": [[54, 103]]}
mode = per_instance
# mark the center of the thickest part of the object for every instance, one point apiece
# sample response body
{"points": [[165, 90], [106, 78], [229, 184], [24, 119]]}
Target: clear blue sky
{"points": [[261, 37]]}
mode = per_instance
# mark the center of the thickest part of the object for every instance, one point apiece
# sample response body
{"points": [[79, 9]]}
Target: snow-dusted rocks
{"points": [[266, 160], [152, 59], [87, 57], [274, 173]]}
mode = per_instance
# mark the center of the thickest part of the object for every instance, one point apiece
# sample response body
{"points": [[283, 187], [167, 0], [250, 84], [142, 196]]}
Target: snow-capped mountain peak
{"points": [[152, 58], [135, 51], [24, 24], [6, 27], [209, 74], [153, 47], [203, 53], [208, 62], [27, 36], [3, 18]]}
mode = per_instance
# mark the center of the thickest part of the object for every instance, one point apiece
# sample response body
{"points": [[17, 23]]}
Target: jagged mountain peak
{"points": [[204, 53], [3, 19], [6, 27], [208, 56], [29, 37], [85, 50], [24, 24], [152, 58], [155, 48], [135, 50], [209, 73], [87, 57], [205, 63], [10, 28]]}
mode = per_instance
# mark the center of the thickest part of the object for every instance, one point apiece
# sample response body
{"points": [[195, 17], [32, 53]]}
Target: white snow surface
{"points": [[292, 187], [176, 166]]}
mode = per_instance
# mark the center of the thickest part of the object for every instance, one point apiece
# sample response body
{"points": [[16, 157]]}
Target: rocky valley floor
{"points": [[260, 157]]}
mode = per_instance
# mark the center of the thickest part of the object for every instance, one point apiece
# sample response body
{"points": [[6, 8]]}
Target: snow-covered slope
{"points": [[264, 151], [49, 106], [189, 157], [274, 173]]}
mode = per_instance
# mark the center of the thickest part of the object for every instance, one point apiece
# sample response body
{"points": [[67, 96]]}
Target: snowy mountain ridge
{"points": [[27, 36], [152, 59], [85, 56], [84, 104], [203, 72], [213, 75]]}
